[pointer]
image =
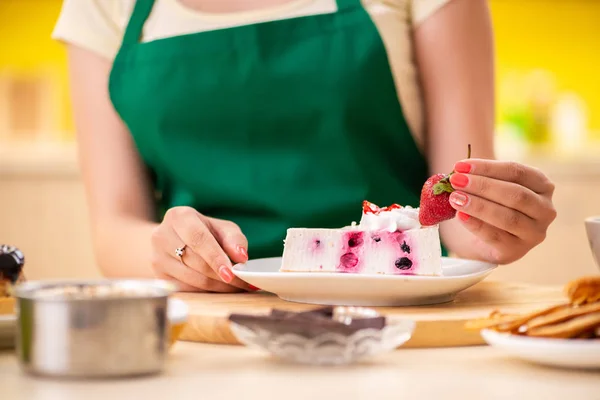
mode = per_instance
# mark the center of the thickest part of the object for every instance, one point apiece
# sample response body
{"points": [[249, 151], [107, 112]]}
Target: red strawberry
{"points": [[435, 199], [370, 208], [392, 207], [435, 205]]}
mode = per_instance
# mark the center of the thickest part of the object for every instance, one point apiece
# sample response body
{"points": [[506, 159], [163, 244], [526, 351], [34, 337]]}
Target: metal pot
{"points": [[105, 328]]}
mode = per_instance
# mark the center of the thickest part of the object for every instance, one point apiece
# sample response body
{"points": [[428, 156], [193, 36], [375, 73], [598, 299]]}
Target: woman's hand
{"points": [[506, 205], [210, 245]]}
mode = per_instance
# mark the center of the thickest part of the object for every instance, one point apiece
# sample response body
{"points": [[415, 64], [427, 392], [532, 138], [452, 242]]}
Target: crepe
{"points": [[579, 318], [584, 290]]}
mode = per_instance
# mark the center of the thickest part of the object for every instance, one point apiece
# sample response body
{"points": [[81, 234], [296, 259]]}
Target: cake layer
{"points": [[353, 250]]}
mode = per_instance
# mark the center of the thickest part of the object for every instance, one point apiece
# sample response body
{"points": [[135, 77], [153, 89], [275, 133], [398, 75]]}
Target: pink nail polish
{"points": [[459, 180], [463, 167], [462, 216], [459, 199], [253, 288], [225, 274]]}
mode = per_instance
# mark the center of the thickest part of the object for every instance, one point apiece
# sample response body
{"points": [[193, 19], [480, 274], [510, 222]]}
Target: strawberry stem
{"points": [[468, 156], [444, 184]]}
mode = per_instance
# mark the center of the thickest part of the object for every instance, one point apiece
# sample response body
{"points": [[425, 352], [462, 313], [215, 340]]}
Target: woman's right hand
{"points": [[210, 246]]}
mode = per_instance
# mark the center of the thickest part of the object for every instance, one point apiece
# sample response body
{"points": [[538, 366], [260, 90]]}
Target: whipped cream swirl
{"points": [[399, 219]]}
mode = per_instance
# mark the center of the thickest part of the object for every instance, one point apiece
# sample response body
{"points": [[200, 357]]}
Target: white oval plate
{"points": [[563, 353], [330, 288]]}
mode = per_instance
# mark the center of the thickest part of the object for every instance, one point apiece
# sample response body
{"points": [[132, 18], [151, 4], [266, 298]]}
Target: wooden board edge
{"points": [[208, 329], [427, 334]]}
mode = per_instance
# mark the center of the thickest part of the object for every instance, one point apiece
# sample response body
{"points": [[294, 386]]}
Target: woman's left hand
{"points": [[506, 205]]}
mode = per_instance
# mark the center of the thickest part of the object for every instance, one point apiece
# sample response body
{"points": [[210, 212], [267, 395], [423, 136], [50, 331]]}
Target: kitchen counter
{"points": [[60, 159], [201, 371], [51, 159]]}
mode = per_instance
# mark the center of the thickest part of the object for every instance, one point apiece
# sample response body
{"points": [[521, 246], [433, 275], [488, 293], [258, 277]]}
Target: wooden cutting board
{"points": [[437, 325]]}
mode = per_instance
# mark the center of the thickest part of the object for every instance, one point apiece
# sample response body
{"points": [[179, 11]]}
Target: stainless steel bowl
{"points": [[91, 329]]}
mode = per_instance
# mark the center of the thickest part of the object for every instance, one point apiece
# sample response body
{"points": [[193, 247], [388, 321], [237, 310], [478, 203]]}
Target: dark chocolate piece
{"points": [[307, 323]]}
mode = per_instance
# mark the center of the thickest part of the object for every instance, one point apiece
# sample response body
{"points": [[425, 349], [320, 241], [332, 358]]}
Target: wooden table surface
{"points": [[205, 371]]}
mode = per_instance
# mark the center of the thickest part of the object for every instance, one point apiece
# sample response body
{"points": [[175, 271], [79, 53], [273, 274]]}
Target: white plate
{"points": [[332, 288], [563, 353]]}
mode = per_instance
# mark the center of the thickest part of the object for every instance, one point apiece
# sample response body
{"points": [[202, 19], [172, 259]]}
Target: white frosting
{"points": [[400, 219]]}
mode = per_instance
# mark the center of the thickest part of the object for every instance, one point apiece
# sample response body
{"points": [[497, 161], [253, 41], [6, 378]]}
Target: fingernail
{"points": [[459, 180], [458, 198], [242, 251], [462, 216], [463, 167], [252, 287], [225, 274]]}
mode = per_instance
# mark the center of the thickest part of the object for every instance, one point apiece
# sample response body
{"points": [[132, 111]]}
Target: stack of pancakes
{"points": [[578, 318]]}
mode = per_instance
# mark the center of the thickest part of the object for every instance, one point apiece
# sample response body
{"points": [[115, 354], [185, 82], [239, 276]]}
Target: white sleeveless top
{"points": [[99, 25]]}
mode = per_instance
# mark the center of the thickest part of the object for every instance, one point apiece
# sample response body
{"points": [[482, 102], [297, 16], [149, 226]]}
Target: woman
{"points": [[207, 128]]}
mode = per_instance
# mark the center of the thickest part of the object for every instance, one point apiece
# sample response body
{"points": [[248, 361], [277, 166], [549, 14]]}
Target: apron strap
{"points": [[140, 13], [142, 10], [346, 4]]}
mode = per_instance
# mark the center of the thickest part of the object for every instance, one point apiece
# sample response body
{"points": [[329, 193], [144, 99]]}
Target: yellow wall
{"points": [[562, 36], [25, 43], [559, 35]]}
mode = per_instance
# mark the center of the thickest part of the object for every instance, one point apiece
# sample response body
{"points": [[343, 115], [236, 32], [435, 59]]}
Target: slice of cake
{"points": [[388, 240]]}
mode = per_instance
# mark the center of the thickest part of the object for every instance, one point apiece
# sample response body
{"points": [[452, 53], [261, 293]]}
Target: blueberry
{"points": [[355, 240], [403, 263], [405, 248]]}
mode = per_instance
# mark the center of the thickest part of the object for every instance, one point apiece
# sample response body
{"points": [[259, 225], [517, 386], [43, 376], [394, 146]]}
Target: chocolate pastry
{"points": [[11, 268]]}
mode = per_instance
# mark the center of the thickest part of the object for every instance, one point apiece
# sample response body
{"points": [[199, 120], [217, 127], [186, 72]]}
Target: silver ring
{"points": [[179, 252]]}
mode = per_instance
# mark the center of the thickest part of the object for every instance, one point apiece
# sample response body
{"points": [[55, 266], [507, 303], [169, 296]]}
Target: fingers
{"points": [[507, 219], [509, 171], [507, 194], [166, 241], [188, 225], [497, 239], [191, 280], [488, 233], [230, 237]]}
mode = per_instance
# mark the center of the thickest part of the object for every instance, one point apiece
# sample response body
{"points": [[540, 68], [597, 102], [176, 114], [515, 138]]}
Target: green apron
{"points": [[288, 123]]}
